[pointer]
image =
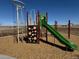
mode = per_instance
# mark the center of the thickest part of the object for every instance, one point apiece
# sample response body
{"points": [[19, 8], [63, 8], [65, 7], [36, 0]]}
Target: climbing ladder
{"points": [[32, 33]]}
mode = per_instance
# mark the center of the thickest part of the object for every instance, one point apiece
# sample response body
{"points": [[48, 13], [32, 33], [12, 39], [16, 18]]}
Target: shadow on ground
{"points": [[55, 45], [49, 43]]}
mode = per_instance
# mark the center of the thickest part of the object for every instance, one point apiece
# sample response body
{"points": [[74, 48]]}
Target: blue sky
{"points": [[60, 10]]}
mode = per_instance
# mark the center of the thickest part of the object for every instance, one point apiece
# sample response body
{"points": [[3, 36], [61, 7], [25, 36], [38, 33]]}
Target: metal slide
{"points": [[59, 37]]}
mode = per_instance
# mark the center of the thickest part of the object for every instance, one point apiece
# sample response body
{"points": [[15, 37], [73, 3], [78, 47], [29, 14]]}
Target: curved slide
{"points": [[59, 37]]}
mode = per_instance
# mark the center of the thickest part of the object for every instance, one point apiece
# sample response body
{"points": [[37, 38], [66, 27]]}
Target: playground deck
{"points": [[44, 50]]}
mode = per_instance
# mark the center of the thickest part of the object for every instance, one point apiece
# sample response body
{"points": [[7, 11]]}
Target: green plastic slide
{"points": [[60, 38]]}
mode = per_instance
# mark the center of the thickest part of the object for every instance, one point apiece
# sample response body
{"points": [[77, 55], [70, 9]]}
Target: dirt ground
{"points": [[43, 50]]}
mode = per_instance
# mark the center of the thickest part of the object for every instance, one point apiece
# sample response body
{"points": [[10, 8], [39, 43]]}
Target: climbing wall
{"points": [[32, 33]]}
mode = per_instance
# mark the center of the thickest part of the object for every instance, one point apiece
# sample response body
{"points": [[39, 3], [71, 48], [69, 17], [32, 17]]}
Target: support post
{"points": [[38, 20], [34, 23], [69, 28], [30, 20], [17, 23], [27, 24], [46, 29], [55, 29], [56, 25]]}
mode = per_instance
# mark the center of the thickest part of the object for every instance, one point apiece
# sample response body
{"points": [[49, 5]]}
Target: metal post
{"points": [[38, 26], [30, 20], [17, 22], [34, 23], [27, 23], [56, 25], [19, 5], [69, 29], [46, 29], [55, 29], [36, 18]]}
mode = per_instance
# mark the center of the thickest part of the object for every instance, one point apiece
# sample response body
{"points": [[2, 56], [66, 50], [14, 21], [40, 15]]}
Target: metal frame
{"points": [[19, 5]]}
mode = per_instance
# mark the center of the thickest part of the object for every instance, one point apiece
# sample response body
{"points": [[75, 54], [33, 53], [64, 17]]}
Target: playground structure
{"points": [[34, 31]]}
